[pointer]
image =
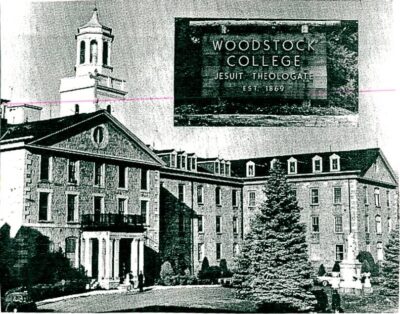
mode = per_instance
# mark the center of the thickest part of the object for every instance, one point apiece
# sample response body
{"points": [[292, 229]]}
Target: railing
{"points": [[117, 222], [111, 82]]}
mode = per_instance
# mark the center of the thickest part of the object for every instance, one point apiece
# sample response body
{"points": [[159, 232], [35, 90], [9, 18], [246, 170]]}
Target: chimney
{"points": [[16, 114]]}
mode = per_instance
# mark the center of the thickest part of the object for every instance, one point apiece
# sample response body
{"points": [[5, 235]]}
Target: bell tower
{"points": [[92, 88]]}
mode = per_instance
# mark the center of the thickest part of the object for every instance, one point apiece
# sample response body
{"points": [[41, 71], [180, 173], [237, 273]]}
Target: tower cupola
{"points": [[93, 46]]}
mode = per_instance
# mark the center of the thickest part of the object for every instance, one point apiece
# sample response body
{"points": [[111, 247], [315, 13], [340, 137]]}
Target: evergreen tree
{"points": [[390, 268], [273, 269], [321, 270]]}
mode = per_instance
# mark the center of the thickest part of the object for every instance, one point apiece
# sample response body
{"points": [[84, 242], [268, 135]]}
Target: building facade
{"points": [[114, 205]]}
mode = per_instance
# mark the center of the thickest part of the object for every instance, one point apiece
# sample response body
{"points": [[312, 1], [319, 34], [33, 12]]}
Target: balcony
{"points": [[113, 222]]}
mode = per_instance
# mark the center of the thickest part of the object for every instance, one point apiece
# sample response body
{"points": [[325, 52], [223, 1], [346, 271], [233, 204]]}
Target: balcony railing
{"points": [[113, 222]]}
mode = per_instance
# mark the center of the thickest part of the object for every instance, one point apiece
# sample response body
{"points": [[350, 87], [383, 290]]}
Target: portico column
{"points": [[134, 258], [100, 259], [141, 256], [116, 259], [87, 258], [108, 258]]}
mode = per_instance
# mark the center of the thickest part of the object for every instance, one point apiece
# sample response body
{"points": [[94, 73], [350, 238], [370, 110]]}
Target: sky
{"points": [[38, 49]]}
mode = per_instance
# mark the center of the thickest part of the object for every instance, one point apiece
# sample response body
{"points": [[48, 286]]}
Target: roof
{"points": [[38, 129], [164, 151], [351, 160], [94, 20]]}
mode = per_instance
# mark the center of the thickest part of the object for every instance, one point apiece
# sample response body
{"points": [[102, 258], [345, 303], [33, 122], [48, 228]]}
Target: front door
{"points": [[95, 258]]}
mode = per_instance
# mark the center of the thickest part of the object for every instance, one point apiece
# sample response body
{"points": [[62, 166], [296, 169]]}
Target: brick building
{"points": [[114, 205]]}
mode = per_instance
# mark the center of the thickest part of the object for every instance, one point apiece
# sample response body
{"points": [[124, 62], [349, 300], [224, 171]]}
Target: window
{"points": [[218, 195], [98, 135], [252, 198], [250, 169], [144, 211], [72, 208], [235, 225], [388, 198], [179, 161], [273, 162], [236, 249], [184, 162], [98, 202], [218, 224], [99, 174], [222, 168], [200, 222], [108, 108], [216, 167], [194, 164], [105, 53], [144, 179], [317, 164], [366, 201], [201, 251], [292, 166], [218, 251], [44, 206], [234, 198], [181, 192], [93, 51], [377, 197], [181, 224], [378, 222], [72, 171], [82, 52], [45, 167], [315, 223], [314, 197], [200, 194], [122, 208], [366, 223], [173, 160], [335, 162], [389, 224], [337, 195], [338, 224], [379, 251], [70, 245], [339, 252], [228, 168], [122, 176]]}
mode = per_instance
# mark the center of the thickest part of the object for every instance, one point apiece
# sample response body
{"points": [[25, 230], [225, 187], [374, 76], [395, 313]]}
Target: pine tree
{"points": [[390, 268], [273, 269]]}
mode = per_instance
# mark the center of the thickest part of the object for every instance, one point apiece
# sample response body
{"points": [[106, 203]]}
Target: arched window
{"points": [[76, 108], [378, 221], [93, 51], [105, 53], [82, 52]]}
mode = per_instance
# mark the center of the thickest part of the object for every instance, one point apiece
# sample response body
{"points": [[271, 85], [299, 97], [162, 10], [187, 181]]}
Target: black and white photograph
{"points": [[212, 156]]}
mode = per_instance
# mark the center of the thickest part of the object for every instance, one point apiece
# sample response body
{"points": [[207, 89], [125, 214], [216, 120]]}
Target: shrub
{"points": [[322, 300], [224, 269], [367, 256], [365, 268], [321, 270], [166, 270], [205, 264], [336, 267]]}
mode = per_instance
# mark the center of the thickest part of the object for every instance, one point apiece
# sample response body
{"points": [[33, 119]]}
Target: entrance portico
{"points": [[109, 256]]}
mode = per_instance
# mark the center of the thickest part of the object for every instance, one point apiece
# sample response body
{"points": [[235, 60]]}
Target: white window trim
{"points": [[249, 192], [103, 173], [49, 202], [236, 192], [314, 159], [102, 195], [378, 222], [184, 192], [312, 224], [125, 199], [228, 168], [184, 157], [175, 159], [77, 167], [147, 180], [333, 195], [377, 200], [218, 201], [126, 174], [222, 168], [201, 187], [334, 224], [248, 165], [290, 160], [311, 196], [50, 179], [273, 162], [76, 206], [331, 158]]}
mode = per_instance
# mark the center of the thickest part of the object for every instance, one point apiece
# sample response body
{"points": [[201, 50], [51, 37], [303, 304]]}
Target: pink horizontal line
{"points": [[146, 98]]}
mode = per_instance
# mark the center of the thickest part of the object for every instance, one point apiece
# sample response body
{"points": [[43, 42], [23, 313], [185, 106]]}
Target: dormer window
{"points": [[317, 164], [250, 169], [292, 166], [335, 162], [194, 164], [222, 168], [228, 168], [273, 162], [184, 162], [216, 167], [173, 160]]}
